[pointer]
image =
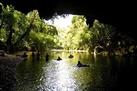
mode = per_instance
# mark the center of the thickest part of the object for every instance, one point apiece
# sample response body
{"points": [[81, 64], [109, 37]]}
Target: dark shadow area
{"points": [[7, 75], [122, 74], [127, 75]]}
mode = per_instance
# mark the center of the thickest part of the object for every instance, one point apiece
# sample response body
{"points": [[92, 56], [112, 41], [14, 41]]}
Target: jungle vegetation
{"points": [[19, 31]]}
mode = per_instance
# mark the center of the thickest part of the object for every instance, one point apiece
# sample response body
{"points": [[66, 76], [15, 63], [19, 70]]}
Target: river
{"points": [[104, 73]]}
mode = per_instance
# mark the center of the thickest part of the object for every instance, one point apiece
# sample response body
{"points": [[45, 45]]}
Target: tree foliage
{"points": [[73, 36], [17, 29], [81, 36]]}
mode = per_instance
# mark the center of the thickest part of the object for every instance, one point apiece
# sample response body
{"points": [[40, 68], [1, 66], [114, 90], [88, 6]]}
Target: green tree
{"points": [[74, 35], [16, 27], [101, 34]]}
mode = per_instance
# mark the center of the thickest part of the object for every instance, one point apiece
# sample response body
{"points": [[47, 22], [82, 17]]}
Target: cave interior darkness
{"points": [[120, 14]]}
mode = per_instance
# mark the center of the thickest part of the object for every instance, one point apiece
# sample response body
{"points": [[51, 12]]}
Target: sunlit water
{"points": [[104, 74]]}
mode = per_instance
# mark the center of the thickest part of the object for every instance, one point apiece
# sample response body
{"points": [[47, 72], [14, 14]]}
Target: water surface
{"points": [[104, 74]]}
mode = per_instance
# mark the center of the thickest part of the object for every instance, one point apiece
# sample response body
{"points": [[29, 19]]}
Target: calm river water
{"points": [[103, 74]]}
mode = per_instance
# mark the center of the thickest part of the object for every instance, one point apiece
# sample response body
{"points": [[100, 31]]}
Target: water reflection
{"points": [[58, 78], [104, 74]]}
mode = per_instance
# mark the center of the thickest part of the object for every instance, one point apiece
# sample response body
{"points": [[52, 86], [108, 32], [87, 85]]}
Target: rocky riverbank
{"points": [[8, 72]]}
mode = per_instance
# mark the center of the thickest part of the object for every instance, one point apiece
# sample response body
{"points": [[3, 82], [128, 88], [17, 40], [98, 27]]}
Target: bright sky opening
{"points": [[61, 22]]}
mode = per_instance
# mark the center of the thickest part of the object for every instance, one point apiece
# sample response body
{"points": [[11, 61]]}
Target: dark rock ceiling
{"points": [[121, 14]]}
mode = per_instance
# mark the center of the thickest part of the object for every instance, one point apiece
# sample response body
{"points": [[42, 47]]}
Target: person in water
{"points": [[79, 64], [59, 58], [25, 54], [47, 57], [70, 56]]}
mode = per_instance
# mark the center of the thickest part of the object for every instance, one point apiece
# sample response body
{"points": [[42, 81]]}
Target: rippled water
{"points": [[104, 74]]}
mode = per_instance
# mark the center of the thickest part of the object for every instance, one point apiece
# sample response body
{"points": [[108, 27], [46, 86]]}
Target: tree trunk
{"points": [[9, 41], [25, 34], [1, 25]]}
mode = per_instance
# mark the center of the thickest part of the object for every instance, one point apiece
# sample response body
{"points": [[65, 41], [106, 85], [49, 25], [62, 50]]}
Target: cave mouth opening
{"points": [[62, 21], [74, 33]]}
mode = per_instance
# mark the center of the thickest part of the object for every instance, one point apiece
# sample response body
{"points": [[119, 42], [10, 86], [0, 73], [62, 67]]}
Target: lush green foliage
{"points": [[19, 31], [73, 35], [81, 36]]}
